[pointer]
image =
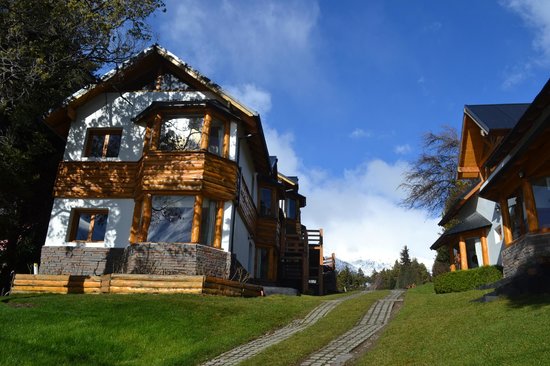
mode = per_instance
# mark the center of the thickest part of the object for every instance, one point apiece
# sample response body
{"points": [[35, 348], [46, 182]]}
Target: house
{"points": [[165, 173], [506, 148], [473, 232]]}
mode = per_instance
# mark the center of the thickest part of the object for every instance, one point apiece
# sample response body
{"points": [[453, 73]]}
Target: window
{"points": [[208, 222], [215, 138], [266, 202], [88, 225], [171, 219], [262, 263], [541, 191], [181, 134], [103, 143], [291, 209]]}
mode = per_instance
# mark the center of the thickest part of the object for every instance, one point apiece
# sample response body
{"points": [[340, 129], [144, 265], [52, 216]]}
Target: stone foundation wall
{"points": [[79, 260], [170, 259], [526, 251], [144, 258]]}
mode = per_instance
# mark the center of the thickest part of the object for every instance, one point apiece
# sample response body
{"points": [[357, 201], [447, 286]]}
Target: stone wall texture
{"points": [[528, 250], [143, 258], [79, 260]]}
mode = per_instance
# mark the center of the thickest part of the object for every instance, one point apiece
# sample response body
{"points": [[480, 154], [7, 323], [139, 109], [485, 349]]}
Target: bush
{"points": [[466, 280]]}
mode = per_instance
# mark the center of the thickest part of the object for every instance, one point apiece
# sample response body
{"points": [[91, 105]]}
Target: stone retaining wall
{"points": [[143, 258], [81, 261], [528, 250]]}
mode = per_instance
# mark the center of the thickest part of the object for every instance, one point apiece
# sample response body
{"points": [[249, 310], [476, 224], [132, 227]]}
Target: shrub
{"points": [[466, 280]]}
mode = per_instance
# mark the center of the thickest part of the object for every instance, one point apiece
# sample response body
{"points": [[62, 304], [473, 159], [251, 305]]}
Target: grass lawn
{"points": [[449, 329], [136, 329], [299, 346]]}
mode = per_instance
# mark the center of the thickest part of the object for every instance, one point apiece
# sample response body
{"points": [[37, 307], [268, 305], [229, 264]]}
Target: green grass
{"points": [[449, 329], [299, 346], [136, 329]]}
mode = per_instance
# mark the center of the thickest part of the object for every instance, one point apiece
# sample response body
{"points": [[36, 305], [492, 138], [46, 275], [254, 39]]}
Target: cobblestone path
{"points": [[339, 350], [241, 353]]}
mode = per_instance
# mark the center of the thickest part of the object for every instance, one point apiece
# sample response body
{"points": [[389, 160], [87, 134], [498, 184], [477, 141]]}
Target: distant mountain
{"points": [[366, 265]]}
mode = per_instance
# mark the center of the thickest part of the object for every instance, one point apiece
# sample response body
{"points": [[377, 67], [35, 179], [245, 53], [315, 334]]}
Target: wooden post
{"points": [[463, 255], [531, 211], [226, 135], [506, 227], [219, 224], [484, 249], [206, 131], [134, 231], [145, 217], [452, 265], [197, 219], [147, 138], [155, 135]]}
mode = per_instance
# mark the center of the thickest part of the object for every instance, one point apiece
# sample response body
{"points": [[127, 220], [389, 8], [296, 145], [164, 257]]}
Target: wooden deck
{"points": [[132, 284]]}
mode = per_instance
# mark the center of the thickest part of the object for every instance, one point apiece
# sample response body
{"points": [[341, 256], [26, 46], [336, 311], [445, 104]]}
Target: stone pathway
{"points": [[339, 350], [245, 351]]}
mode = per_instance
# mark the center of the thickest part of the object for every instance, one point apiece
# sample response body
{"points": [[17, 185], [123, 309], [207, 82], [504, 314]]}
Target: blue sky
{"points": [[346, 89]]}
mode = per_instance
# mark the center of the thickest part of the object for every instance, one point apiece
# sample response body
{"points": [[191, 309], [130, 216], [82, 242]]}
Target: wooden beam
{"points": [[219, 224], [530, 209], [155, 135], [452, 265], [484, 249], [226, 136], [463, 255], [134, 230], [206, 131], [506, 226], [147, 138], [145, 217], [197, 219]]}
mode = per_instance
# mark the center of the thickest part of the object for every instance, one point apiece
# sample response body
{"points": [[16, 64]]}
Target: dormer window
{"points": [[103, 143], [181, 133]]}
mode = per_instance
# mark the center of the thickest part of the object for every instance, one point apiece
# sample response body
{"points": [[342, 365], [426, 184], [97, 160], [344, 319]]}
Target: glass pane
{"points": [[182, 133], [100, 226], [113, 147], [208, 224], [265, 202], [541, 191], [215, 139], [83, 226], [171, 219], [96, 145]]}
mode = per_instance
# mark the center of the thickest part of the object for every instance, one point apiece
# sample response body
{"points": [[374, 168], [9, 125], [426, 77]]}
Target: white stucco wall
{"points": [[227, 227], [247, 168], [115, 110], [119, 221], [241, 245]]}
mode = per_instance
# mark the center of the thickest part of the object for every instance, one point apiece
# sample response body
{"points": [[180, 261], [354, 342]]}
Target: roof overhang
{"points": [[470, 224]]}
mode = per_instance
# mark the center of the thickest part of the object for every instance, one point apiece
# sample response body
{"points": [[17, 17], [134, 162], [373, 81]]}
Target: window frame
{"points": [[75, 220], [106, 133]]}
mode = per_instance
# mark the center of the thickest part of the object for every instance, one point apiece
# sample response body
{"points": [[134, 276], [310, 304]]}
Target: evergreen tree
{"points": [[49, 49]]}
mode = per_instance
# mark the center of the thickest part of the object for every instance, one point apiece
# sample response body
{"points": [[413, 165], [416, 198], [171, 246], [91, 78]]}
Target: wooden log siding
{"points": [[247, 209], [96, 179], [190, 172], [267, 231]]}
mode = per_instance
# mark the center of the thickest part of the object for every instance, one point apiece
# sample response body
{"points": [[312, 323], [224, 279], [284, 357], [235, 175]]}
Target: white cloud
{"points": [[359, 133], [536, 15], [359, 209], [252, 96], [402, 149], [264, 40]]}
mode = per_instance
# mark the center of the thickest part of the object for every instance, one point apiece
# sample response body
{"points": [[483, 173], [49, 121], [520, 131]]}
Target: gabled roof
{"points": [[473, 222], [496, 116], [150, 59]]}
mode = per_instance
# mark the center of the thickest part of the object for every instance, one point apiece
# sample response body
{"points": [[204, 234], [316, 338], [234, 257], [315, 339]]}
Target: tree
{"points": [[48, 50], [431, 181], [404, 255]]}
